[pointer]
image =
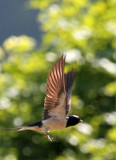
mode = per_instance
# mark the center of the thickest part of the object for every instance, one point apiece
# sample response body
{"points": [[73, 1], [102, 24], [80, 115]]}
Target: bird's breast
{"points": [[53, 124]]}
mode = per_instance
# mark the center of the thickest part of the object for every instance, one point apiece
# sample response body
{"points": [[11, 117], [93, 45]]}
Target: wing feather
{"points": [[69, 78], [55, 100]]}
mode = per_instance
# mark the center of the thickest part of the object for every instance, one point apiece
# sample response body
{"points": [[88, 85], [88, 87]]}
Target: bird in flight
{"points": [[57, 101]]}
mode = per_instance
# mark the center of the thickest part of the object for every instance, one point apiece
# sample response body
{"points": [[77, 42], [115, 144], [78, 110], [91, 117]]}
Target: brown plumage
{"points": [[55, 91], [57, 101]]}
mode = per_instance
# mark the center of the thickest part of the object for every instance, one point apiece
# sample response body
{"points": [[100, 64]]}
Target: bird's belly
{"points": [[53, 124]]}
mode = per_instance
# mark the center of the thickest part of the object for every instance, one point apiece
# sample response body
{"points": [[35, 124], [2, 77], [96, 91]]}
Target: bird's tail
{"points": [[27, 128], [22, 128], [34, 126]]}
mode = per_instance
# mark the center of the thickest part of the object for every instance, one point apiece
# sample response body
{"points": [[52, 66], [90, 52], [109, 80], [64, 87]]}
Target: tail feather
{"points": [[27, 128], [22, 128], [33, 126]]}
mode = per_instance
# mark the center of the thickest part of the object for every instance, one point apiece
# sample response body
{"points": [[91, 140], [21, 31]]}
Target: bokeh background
{"points": [[86, 32]]}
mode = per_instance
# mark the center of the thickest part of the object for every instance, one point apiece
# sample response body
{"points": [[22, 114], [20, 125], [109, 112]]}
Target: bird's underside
{"points": [[46, 126], [57, 100]]}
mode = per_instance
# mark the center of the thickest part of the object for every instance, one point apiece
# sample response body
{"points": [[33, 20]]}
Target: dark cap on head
{"points": [[73, 120]]}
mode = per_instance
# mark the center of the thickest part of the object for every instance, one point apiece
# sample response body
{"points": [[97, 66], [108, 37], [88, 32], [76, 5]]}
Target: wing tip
{"points": [[63, 57]]}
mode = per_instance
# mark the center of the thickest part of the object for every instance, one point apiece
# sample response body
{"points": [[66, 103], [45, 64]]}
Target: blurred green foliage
{"points": [[86, 32]]}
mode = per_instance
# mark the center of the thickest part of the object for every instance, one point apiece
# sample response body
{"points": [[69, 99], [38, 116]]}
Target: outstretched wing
{"points": [[55, 100], [69, 78]]}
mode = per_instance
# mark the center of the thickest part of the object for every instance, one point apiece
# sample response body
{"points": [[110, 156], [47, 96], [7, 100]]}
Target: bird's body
{"points": [[57, 101], [54, 124]]}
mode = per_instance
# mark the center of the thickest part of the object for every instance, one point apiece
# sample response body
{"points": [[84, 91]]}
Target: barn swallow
{"points": [[57, 102]]}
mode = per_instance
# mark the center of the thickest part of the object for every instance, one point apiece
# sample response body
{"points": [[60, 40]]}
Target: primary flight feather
{"points": [[57, 101]]}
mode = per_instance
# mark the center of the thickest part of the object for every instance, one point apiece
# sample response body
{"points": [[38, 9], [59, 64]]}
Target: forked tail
{"points": [[37, 128], [33, 126]]}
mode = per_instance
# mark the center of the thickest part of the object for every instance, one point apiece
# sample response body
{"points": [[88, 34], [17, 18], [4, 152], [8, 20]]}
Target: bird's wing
{"points": [[55, 100], [69, 78]]}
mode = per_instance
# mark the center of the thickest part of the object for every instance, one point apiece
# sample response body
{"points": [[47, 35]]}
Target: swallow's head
{"points": [[73, 120]]}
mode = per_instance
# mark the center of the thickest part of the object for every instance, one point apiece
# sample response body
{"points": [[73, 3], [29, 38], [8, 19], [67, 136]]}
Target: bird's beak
{"points": [[81, 120]]}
